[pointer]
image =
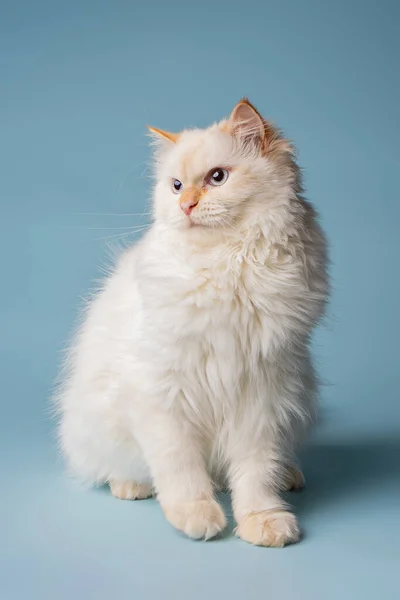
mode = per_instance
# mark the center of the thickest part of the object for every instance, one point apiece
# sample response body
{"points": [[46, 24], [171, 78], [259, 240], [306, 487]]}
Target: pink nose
{"points": [[188, 206]]}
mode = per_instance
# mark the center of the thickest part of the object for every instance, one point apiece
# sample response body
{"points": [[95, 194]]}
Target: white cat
{"points": [[192, 370]]}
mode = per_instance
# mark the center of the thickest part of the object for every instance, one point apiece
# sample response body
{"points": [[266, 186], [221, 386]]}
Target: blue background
{"points": [[79, 81]]}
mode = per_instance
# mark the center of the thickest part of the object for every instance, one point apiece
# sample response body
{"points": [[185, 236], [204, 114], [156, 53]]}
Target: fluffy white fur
{"points": [[191, 370]]}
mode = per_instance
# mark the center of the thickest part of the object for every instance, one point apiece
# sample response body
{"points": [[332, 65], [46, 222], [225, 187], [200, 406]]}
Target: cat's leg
{"points": [[173, 451], [292, 478], [97, 440], [262, 516], [130, 490]]}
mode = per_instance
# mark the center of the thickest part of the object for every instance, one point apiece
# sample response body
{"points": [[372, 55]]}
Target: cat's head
{"points": [[235, 170]]}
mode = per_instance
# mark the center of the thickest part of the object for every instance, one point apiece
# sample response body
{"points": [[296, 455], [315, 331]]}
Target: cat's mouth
{"points": [[192, 221]]}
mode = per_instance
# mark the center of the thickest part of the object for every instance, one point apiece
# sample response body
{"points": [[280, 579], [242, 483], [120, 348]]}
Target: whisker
{"points": [[122, 235], [125, 177], [143, 214], [227, 219], [106, 228]]}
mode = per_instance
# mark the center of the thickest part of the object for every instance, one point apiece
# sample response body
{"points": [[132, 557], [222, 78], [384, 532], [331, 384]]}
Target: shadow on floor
{"points": [[337, 471]]}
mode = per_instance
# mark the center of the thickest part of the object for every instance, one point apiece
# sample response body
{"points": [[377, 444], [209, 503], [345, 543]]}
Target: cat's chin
{"points": [[200, 232], [193, 223], [204, 228]]}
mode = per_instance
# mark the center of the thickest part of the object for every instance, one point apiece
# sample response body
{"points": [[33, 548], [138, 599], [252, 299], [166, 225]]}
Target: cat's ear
{"points": [[247, 123], [163, 136], [161, 142]]}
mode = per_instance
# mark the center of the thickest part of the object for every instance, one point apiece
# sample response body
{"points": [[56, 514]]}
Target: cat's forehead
{"points": [[200, 150]]}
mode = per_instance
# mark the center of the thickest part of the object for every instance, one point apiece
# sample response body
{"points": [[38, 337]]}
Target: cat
{"points": [[191, 371]]}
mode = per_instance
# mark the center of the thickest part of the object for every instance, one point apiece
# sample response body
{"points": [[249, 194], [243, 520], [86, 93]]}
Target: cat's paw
{"points": [[269, 528], [294, 480], [130, 490], [203, 519]]}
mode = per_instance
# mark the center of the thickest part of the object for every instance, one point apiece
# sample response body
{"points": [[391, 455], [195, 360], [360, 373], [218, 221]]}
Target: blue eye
{"points": [[217, 176], [177, 186]]}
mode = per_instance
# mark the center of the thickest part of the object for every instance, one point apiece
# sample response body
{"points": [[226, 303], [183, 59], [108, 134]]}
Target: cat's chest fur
{"points": [[208, 307], [213, 323]]}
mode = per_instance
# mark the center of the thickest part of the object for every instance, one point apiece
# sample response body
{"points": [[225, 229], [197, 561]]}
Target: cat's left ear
{"points": [[163, 136], [247, 123]]}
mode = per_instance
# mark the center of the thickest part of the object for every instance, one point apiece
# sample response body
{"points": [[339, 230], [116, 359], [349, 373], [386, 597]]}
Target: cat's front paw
{"points": [[202, 519], [130, 490], [269, 528]]}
